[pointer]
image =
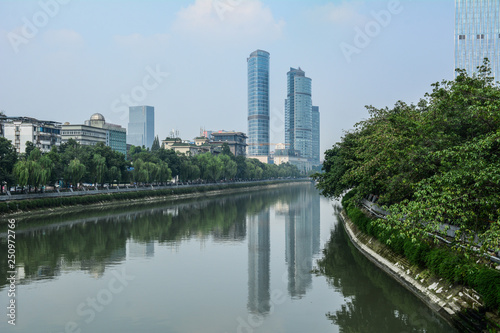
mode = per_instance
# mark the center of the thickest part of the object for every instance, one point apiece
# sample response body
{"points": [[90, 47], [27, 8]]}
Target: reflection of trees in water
{"points": [[374, 301], [92, 243]]}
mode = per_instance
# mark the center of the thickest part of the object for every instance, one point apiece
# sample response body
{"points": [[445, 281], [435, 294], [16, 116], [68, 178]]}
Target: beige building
{"points": [[186, 148], [83, 134]]}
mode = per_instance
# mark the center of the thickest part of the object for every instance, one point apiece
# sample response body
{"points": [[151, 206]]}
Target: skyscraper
{"points": [[315, 135], [298, 114], [141, 126], [477, 34], [258, 103]]}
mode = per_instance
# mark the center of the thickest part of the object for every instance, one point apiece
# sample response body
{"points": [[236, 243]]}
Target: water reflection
{"points": [[99, 239], [141, 250], [259, 248], [302, 234], [233, 263], [372, 299]]}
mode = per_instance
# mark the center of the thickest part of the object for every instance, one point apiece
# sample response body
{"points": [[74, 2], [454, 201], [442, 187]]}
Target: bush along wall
{"points": [[440, 260]]}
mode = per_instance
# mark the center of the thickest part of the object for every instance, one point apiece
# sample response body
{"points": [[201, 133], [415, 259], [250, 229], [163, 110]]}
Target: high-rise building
{"points": [[141, 126], [258, 104], [298, 114], [477, 34], [315, 135]]}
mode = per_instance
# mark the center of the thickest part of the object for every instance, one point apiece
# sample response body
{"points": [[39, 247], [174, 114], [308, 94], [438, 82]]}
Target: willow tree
{"points": [[75, 171]]}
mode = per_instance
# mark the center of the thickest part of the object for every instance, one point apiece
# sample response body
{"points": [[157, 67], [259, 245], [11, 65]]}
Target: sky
{"points": [[64, 60]]}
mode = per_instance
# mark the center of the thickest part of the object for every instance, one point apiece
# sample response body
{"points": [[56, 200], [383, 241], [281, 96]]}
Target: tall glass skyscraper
{"points": [[477, 34], [258, 103], [298, 114], [141, 126], [315, 135]]}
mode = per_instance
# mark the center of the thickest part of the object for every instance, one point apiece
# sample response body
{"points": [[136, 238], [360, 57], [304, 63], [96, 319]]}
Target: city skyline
{"points": [[138, 54]]}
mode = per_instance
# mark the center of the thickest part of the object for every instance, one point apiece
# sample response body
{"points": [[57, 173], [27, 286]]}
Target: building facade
{"points": [[477, 35], [258, 103], [235, 140], [83, 134], [43, 134], [301, 121], [95, 131], [116, 136], [316, 152], [141, 126]]}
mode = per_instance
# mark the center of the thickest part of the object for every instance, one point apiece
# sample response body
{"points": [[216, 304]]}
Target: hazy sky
{"points": [[64, 60]]}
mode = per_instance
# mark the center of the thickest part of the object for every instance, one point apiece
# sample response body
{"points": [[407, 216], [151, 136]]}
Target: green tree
{"points": [[164, 174], [156, 144], [29, 148], [75, 171], [431, 163], [214, 167], [8, 158], [226, 150], [47, 166], [100, 168], [229, 167], [115, 174]]}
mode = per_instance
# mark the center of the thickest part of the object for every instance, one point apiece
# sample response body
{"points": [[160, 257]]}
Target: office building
{"points": [[116, 136], [83, 134], [301, 121], [258, 104], [141, 126], [95, 131], [477, 35], [43, 134], [316, 153]]}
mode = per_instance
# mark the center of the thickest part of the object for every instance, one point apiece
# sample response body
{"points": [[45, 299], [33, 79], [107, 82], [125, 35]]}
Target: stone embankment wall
{"points": [[455, 303]]}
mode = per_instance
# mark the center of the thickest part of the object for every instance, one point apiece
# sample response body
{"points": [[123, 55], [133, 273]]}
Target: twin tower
{"points": [[301, 117]]}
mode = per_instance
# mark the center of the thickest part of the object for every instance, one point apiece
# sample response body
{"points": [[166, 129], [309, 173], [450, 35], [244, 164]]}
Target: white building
{"points": [[43, 134]]}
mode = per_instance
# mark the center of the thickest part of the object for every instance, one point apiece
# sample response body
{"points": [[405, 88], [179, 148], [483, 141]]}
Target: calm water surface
{"points": [[239, 263]]}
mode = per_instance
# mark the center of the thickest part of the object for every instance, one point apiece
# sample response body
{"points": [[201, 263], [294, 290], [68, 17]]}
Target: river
{"points": [[234, 263]]}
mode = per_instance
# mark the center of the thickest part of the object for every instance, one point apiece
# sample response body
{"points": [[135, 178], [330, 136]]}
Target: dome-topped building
{"points": [[97, 119], [96, 130], [97, 116]]}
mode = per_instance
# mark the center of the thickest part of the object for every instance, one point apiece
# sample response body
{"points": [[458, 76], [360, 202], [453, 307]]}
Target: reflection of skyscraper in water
{"points": [[259, 248], [315, 221], [302, 235], [141, 250]]}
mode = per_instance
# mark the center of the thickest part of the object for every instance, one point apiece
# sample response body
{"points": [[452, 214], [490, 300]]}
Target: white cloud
{"points": [[225, 20]]}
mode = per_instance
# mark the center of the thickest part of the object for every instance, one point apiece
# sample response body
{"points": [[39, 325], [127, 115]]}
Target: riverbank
{"points": [[44, 206], [460, 306]]}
